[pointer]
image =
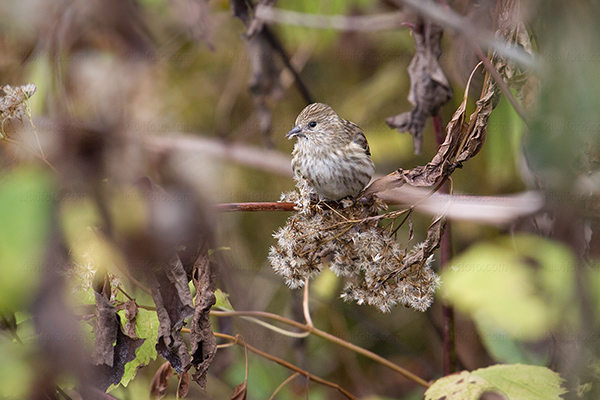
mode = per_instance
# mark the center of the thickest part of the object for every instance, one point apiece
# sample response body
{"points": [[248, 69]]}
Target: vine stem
{"points": [[448, 338], [327, 336], [239, 341]]}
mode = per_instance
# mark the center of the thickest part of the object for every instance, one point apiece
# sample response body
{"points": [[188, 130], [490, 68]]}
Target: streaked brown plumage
{"points": [[331, 153]]}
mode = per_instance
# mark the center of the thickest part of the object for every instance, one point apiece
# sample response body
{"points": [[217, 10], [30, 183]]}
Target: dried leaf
{"points": [[463, 141], [411, 231], [113, 348], [123, 352], [429, 87], [241, 9], [184, 385], [173, 301], [131, 310], [107, 326], [203, 342], [159, 384], [240, 392]]}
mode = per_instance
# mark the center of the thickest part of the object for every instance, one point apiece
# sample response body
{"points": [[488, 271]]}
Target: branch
{"points": [[252, 156], [491, 210], [379, 22], [239, 341], [266, 206], [327, 336]]}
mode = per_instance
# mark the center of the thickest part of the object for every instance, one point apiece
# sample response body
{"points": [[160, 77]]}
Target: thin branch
{"points": [[256, 206], [327, 336], [449, 345], [271, 161], [381, 22], [278, 47], [305, 304], [498, 78], [288, 380], [239, 341]]}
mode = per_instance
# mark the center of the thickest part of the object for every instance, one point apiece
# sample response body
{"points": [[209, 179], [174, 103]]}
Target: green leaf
{"points": [[514, 382], [17, 373], [498, 287], [492, 285], [146, 327], [26, 199], [222, 302]]}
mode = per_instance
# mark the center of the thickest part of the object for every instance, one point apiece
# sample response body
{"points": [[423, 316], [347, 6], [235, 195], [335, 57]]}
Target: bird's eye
{"points": [[312, 124]]}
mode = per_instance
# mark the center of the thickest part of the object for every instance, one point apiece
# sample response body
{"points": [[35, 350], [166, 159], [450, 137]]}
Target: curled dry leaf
{"points": [[203, 341], [173, 300], [240, 391], [113, 348], [131, 311], [184, 385], [159, 384], [429, 87], [169, 279]]}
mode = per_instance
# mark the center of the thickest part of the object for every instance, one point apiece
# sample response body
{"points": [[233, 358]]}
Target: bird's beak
{"points": [[293, 132]]}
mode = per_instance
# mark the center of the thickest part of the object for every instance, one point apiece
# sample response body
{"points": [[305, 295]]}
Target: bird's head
{"points": [[317, 120]]}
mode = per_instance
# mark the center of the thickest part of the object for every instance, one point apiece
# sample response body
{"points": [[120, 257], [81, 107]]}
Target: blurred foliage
{"points": [[510, 381], [533, 299]]}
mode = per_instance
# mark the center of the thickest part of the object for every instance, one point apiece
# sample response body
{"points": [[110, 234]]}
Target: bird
{"points": [[331, 153]]}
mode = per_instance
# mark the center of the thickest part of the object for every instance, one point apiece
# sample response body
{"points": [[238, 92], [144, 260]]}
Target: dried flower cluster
{"points": [[13, 102], [356, 247]]}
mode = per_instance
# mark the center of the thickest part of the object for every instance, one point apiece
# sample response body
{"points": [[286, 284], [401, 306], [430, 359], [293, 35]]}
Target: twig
{"points": [[278, 47], [322, 334], [256, 206], [449, 345], [239, 341], [288, 380], [498, 78], [381, 22], [305, 305]]}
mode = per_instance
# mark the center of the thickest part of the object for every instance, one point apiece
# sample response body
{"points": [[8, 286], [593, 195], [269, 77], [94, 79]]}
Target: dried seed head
{"points": [[355, 247]]}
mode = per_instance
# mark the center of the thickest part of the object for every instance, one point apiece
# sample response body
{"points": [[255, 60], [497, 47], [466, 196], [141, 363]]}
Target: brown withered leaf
{"points": [[203, 341], [241, 9], [131, 311], [173, 300], [240, 391], [113, 348], [159, 384], [463, 141], [105, 332], [429, 87], [124, 352], [184, 385]]}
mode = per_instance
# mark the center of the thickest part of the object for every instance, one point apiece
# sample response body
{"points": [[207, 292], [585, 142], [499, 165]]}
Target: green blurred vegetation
{"points": [[519, 297]]}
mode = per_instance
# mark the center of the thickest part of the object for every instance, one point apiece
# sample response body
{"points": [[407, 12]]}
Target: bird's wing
{"points": [[357, 135]]}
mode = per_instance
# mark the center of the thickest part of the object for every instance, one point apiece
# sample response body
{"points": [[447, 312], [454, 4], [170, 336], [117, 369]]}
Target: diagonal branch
{"points": [[327, 336], [239, 341]]}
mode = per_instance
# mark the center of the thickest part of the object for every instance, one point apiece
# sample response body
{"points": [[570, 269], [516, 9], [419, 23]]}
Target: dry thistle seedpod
{"points": [[380, 272]]}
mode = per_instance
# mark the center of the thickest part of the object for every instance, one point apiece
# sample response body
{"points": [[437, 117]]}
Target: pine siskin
{"points": [[331, 153]]}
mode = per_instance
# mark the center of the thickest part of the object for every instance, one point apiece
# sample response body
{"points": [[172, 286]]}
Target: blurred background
{"points": [[173, 90]]}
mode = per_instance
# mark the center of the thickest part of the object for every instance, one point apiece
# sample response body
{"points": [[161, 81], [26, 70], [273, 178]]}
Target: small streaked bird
{"points": [[331, 153]]}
